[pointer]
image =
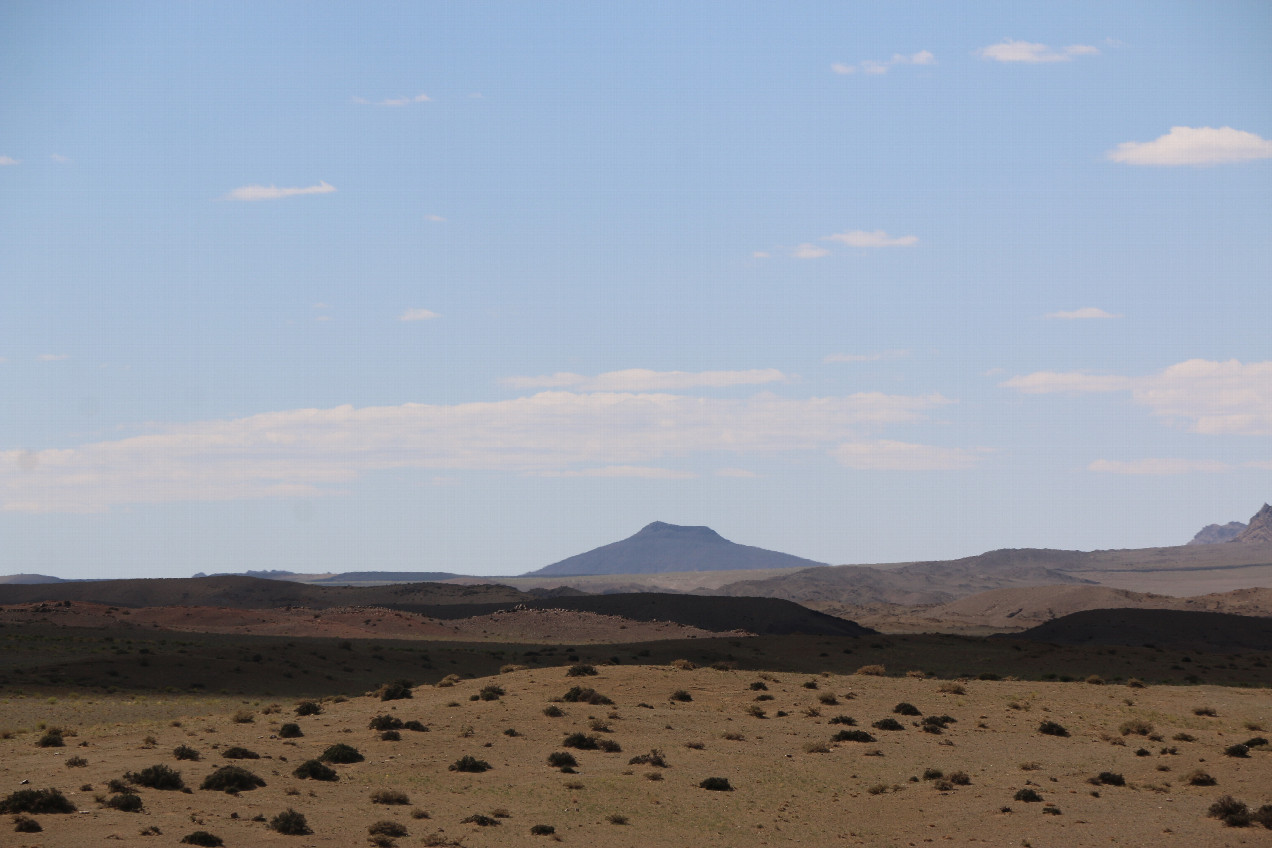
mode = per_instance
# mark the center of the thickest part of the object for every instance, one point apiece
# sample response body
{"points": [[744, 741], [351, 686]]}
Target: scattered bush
{"points": [[157, 777], [1109, 778], [553, 711], [51, 739], [1256, 742], [852, 736], [387, 827], [542, 830], [960, 778], [385, 722], [290, 823], [26, 824], [816, 748], [1027, 795], [952, 688], [389, 796], [76, 762], [887, 724], [585, 695], [1231, 812], [37, 802], [239, 753], [291, 730], [694, 745], [126, 802], [1205, 711], [1237, 750], [480, 820], [1051, 728], [759, 686], [243, 717], [716, 784], [906, 709], [491, 693], [588, 742], [681, 695], [684, 665], [396, 690], [1200, 778], [562, 759], [231, 779], [342, 754], [1184, 737], [932, 774], [616, 818], [872, 670], [755, 711], [185, 752], [1136, 726], [308, 708], [202, 838], [1263, 816], [580, 671], [315, 770], [468, 763], [732, 736], [653, 758], [843, 719]]}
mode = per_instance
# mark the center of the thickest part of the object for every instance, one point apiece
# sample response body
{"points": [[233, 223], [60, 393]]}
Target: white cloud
{"points": [[436, 219], [872, 238], [54, 357], [740, 473], [809, 251], [1158, 466], [9, 160], [644, 380], [1025, 51], [271, 192], [417, 315], [866, 357], [885, 455], [1194, 146], [321, 305], [60, 159], [643, 471], [875, 67], [394, 101], [1083, 313], [307, 452], [1215, 398], [761, 254]]}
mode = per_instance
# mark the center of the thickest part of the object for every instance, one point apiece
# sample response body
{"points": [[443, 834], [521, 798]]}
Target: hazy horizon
{"points": [[475, 288]]}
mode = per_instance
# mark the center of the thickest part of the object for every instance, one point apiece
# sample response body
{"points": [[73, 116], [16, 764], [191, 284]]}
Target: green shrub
{"points": [[1051, 728], [469, 763], [315, 770], [290, 730], [202, 838], [342, 754], [157, 777], [716, 784], [185, 752], [125, 802], [290, 823], [238, 753], [385, 722], [308, 708], [37, 802], [231, 779]]}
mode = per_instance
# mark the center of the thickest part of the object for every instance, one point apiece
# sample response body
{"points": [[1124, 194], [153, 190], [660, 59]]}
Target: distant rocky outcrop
{"points": [[1213, 534], [27, 579], [1259, 530], [661, 547]]}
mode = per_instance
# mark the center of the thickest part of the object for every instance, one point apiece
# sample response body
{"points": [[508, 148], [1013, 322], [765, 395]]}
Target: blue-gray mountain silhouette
{"points": [[662, 547]]}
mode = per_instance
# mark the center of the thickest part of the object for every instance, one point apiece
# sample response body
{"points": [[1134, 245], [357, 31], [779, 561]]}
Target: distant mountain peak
{"points": [[660, 547], [1260, 527], [1213, 534]]}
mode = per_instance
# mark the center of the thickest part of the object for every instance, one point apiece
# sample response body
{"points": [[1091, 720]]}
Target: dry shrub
{"points": [[952, 688], [389, 796], [872, 670], [291, 823]]}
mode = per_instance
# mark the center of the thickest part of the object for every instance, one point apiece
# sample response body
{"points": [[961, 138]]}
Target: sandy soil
{"points": [[786, 789]]}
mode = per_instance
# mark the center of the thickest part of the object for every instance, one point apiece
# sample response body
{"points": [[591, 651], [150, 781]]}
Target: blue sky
{"points": [[475, 287]]}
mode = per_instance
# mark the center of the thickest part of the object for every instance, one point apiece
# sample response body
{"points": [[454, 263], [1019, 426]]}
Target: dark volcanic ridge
{"points": [[1179, 629], [660, 548]]}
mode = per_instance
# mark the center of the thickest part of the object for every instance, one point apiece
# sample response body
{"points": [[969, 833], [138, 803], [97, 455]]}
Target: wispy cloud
{"points": [[272, 192], [1084, 313], [417, 315], [885, 455], [54, 357], [874, 67], [866, 357], [1158, 466], [809, 251], [436, 219], [1194, 146], [739, 473], [872, 238], [644, 380], [394, 101], [9, 160], [1215, 398], [643, 471], [308, 452], [1030, 52], [60, 159]]}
